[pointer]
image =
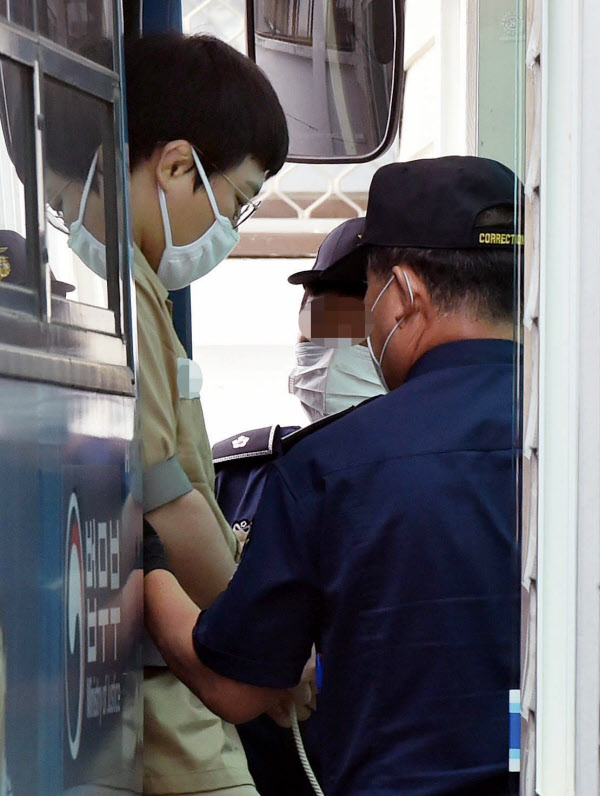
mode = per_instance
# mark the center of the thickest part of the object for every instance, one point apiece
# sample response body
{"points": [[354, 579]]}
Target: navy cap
{"points": [[436, 203], [339, 259]]}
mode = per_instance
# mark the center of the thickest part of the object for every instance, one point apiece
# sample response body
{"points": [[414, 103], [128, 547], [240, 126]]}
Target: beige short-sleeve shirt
{"points": [[187, 749], [176, 453]]}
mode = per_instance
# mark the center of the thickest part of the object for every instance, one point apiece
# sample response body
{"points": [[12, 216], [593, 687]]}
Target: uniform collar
{"points": [[465, 352], [145, 273]]}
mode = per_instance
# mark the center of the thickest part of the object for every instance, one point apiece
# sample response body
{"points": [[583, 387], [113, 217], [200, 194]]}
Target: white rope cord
{"points": [[302, 754]]}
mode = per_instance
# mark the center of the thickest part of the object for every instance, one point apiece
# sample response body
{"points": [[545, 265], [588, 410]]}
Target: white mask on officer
{"points": [[329, 380], [181, 265], [378, 362], [81, 241]]}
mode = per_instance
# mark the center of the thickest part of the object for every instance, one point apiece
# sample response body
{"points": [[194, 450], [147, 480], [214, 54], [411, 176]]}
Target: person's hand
{"points": [[282, 711], [303, 697]]}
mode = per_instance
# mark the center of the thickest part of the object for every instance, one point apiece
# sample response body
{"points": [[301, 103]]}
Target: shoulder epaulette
{"points": [[257, 442]]}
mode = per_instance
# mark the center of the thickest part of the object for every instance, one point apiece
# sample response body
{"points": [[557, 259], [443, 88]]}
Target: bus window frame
{"points": [[65, 342]]}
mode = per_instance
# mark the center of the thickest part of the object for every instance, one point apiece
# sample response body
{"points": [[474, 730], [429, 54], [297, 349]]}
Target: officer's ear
{"points": [[415, 298]]}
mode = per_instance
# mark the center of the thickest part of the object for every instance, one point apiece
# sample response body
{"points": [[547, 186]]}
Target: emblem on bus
{"points": [[4, 263], [74, 627]]}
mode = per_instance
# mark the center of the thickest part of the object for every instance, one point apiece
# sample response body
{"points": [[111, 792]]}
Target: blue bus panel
{"points": [[70, 591]]}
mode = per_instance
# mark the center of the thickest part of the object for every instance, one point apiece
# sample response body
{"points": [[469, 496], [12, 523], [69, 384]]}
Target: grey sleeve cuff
{"points": [[164, 482]]}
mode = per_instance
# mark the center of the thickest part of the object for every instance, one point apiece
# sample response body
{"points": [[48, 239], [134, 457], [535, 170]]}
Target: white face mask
{"points": [[181, 265], [88, 248], [378, 362], [329, 380]]}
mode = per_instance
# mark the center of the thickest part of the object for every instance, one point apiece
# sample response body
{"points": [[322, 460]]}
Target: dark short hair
{"points": [[474, 280], [323, 287], [199, 89], [471, 280]]}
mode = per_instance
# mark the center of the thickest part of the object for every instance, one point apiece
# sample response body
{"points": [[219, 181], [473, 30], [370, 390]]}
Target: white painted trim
{"points": [[559, 395], [470, 26], [452, 60], [587, 737]]}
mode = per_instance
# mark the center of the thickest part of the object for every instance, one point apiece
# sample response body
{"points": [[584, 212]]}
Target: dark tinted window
{"points": [[18, 11], [77, 127], [83, 26], [18, 274]]}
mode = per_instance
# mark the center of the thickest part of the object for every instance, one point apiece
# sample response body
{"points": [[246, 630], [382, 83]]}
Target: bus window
{"points": [[21, 12], [17, 274], [78, 25], [74, 184], [336, 67]]}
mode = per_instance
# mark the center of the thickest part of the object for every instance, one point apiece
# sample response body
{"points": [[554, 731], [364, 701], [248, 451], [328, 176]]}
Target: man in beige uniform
{"points": [[214, 133]]}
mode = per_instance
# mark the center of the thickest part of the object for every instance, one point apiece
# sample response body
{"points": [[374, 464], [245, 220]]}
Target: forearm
{"points": [[170, 616], [196, 548]]}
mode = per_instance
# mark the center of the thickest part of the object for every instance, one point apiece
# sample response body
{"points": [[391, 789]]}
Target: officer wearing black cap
{"points": [[388, 537], [333, 372], [333, 367]]}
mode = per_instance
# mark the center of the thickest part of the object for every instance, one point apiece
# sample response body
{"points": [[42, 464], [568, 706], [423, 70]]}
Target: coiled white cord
{"points": [[302, 754]]}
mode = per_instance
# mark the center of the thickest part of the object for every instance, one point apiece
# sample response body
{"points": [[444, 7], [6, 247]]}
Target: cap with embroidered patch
{"points": [[440, 203], [339, 260]]}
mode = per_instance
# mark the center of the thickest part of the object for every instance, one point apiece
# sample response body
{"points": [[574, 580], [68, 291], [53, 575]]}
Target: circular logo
{"points": [[74, 627], [512, 25]]}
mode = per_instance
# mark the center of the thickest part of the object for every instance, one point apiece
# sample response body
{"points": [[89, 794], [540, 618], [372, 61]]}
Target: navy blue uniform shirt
{"points": [[241, 465], [388, 538]]}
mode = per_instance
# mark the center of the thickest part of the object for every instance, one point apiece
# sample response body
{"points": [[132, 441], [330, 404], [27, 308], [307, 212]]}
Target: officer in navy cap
{"points": [[388, 537], [333, 368], [333, 372]]}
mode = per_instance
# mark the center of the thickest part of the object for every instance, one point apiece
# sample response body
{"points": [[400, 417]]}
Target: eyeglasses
{"points": [[243, 210]]}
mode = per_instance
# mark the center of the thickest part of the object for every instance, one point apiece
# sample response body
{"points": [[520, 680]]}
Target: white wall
{"points": [[244, 328]]}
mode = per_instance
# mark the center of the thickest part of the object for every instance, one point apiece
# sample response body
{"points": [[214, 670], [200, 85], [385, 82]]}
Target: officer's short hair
{"points": [[478, 281], [199, 89], [324, 287]]}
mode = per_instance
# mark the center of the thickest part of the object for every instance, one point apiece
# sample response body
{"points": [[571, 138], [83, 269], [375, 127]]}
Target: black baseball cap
{"points": [[437, 203], [339, 260]]}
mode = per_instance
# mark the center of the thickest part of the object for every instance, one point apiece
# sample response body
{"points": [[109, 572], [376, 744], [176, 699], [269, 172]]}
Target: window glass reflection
{"points": [[76, 125], [332, 66], [341, 30], [17, 274], [83, 26], [18, 11], [287, 21]]}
